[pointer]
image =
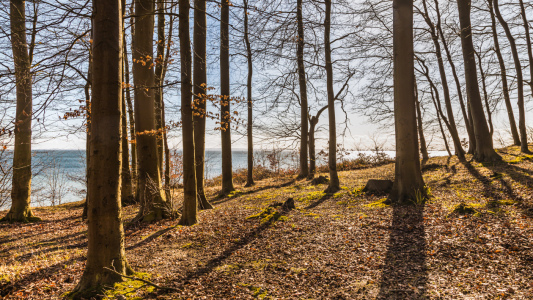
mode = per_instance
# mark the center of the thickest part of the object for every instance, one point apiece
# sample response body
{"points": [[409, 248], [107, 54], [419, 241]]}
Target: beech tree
{"points": [[484, 148], [408, 182], [304, 170], [153, 205], [189, 170], [20, 210], [249, 126], [105, 232], [225, 112]]}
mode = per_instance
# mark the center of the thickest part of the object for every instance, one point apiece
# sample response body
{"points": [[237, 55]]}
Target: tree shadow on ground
{"points": [[405, 274], [319, 201], [225, 198], [149, 239], [219, 259]]}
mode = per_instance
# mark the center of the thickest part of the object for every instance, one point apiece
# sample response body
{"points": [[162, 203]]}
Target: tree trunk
{"points": [[200, 97], [167, 156], [519, 80], [130, 109], [464, 110], [452, 128], [304, 171], [87, 90], [485, 93], [158, 92], [334, 184], [189, 170], [312, 156], [150, 196], [484, 147], [408, 182], [250, 175], [126, 187], [225, 115], [528, 43], [423, 147], [503, 72], [105, 232], [21, 186], [435, 100]]}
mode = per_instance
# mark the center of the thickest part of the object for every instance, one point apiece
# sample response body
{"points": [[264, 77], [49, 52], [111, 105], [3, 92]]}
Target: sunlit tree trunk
{"points": [[503, 73], [189, 170], [484, 148], [129, 103], [200, 97], [420, 126], [105, 232], [225, 115], [158, 92], [304, 171], [519, 80], [408, 182], [250, 154], [20, 210], [332, 159], [485, 93], [528, 42], [153, 205]]}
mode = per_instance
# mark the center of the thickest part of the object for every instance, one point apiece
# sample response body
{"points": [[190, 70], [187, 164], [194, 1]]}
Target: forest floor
{"points": [[347, 245]]}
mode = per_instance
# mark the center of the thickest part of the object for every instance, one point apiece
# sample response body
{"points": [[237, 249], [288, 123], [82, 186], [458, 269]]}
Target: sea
{"points": [[59, 175]]}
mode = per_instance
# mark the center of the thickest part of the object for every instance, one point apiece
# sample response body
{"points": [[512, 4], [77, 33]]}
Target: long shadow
{"points": [[28, 255], [224, 199], [404, 273], [218, 260], [22, 282], [154, 236], [56, 240], [319, 201]]}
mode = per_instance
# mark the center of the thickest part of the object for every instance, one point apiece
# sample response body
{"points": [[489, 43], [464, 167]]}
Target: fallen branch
{"points": [[143, 280]]}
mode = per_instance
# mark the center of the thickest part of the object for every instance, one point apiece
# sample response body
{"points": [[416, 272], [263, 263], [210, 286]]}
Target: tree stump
{"points": [[378, 186]]}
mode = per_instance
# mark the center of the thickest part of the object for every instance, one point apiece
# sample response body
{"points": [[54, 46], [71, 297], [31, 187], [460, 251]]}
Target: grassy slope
{"points": [[342, 246]]}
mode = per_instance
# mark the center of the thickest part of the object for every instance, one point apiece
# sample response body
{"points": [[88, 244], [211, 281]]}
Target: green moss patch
{"points": [[130, 289], [268, 215], [382, 203]]}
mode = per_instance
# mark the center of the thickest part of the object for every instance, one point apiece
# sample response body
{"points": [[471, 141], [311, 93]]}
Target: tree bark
{"points": [[464, 110], [484, 148], [503, 72], [153, 205], [452, 128], [158, 92], [304, 171], [130, 111], [87, 90], [105, 232], [435, 99], [200, 97], [408, 182], [20, 210], [334, 184], [420, 125], [519, 80], [189, 216], [485, 93], [225, 115], [249, 128]]}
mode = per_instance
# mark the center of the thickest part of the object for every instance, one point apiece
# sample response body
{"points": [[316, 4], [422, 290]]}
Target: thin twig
{"points": [[143, 280]]}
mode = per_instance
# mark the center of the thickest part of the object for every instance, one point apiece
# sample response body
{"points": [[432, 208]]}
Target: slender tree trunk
{"points": [[503, 72], [408, 182], [464, 110], [250, 175], [435, 100], [158, 92], [225, 115], [168, 192], [528, 43], [452, 128], [87, 90], [105, 232], [130, 111], [423, 147], [519, 80], [153, 205], [312, 155], [126, 187], [334, 184], [485, 93], [484, 147], [189, 170], [304, 171], [21, 186], [200, 97]]}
